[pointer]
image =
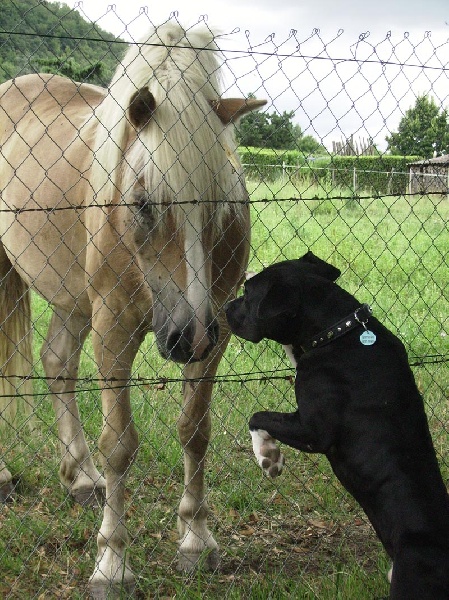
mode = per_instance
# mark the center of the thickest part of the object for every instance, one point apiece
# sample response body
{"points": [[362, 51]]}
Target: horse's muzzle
{"points": [[190, 343]]}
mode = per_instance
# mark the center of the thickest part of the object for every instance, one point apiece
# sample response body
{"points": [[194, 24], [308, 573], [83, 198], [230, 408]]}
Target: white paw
{"points": [[390, 574], [289, 352], [267, 453]]}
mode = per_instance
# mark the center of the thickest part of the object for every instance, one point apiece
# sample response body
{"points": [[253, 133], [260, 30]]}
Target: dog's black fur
{"points": [[358, 405]]}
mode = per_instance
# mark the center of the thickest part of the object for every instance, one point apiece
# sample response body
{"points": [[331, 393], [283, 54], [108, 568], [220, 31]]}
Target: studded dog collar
{"points": [[358, 318]]}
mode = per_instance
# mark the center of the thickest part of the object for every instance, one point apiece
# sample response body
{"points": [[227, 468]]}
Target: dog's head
{"points": [[272, 303]]}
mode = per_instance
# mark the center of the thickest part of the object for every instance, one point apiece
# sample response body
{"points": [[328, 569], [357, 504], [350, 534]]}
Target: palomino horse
{"points": [[127, 211]]}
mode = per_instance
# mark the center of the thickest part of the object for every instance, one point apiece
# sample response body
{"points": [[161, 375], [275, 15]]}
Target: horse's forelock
{"points": [[166, 69]]}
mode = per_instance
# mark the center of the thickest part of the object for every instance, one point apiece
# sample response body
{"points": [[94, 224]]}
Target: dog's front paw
{"points": [[267, 453]]}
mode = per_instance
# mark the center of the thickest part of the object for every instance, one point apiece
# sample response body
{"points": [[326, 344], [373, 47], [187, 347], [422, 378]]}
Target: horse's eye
{"points": [[145, 209], [142, 201]]}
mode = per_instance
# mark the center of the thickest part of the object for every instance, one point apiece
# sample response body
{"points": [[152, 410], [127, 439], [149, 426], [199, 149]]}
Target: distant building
{"points": [[429, 176]]}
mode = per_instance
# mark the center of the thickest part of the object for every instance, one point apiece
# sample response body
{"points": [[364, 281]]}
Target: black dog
{"points": [[359, 405]]}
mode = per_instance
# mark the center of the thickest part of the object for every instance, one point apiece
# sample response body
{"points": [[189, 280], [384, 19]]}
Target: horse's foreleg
{"points": [[115, 352], [197, 544], [60, 356], [118, 445]]}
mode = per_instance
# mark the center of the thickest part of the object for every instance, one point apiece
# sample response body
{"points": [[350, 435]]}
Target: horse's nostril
{"points": [[182, 346], [213, 332], [178, 346]]}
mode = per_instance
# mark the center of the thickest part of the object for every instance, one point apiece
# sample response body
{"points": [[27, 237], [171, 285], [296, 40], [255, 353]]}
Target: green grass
{"points": [[300, 536]]}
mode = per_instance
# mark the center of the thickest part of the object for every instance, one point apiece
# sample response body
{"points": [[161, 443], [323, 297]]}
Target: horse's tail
{"points": [[15, 343]]}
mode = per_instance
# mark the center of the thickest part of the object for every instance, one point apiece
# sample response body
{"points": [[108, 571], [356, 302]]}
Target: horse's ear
{"points": [[141, 106], [230, 110]]}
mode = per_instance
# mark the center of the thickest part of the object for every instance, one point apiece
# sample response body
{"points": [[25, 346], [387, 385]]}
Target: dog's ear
{"points": [[274, 302], [319, 266]]}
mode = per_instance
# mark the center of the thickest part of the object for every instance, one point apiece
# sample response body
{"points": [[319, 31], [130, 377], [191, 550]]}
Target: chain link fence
{"points": [[301, 535]]}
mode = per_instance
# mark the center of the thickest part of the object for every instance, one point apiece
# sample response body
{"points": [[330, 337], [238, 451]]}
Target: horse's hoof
{"points": [[207, 560], [89, 497], [111, 591], [6, 492]]}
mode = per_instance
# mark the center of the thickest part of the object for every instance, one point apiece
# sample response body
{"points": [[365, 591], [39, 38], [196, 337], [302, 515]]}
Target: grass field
{"points": [[300, 536]]}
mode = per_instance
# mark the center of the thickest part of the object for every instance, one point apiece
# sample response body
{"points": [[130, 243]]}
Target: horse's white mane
{"points": [[184, 142]]}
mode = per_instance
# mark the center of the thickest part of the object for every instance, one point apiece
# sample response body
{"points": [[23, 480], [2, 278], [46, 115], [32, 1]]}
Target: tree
{"points": [[276, 131], [32, 31], [423, 131], [307, 144], [68, 67], [283, 134], [253, 129]]}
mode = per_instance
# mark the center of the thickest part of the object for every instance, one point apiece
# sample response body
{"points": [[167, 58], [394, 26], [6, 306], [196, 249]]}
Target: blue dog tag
{"points": [[368, 338]]}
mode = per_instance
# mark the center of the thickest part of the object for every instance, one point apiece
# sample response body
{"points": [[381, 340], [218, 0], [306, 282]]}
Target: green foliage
{"points": [[70, 68], [423, 130], [36, 35], [252, 129], [264, 130], [381, 174], [268, 164]]}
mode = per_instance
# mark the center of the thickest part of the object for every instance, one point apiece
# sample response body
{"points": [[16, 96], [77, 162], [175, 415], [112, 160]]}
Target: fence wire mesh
{"points": [[62, 228]]}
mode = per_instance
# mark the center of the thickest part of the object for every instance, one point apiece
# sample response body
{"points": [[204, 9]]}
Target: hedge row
{"points": [[380, 174], [267, 164]]}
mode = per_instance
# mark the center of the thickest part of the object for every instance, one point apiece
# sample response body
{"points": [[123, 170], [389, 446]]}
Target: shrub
{"points": [[268, 164], [382, 174], [379, 174]]}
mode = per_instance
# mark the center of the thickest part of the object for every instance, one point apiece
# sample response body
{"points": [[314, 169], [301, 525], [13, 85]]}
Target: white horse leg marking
{"points": [[267, 453], [60, 356]]}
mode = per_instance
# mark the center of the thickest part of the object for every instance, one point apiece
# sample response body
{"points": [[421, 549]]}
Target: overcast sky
{"points": [[331, 98], [263, 17]]}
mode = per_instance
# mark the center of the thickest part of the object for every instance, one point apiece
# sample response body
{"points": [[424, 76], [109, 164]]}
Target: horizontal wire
{"points": [[81, 207], [428, 360], [286, 374], [247, 52], [153, 382], [141, 380]]}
